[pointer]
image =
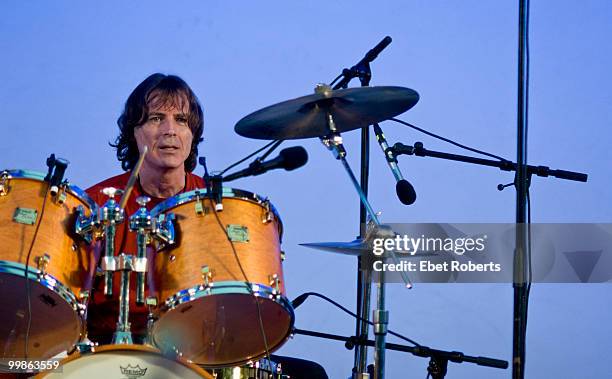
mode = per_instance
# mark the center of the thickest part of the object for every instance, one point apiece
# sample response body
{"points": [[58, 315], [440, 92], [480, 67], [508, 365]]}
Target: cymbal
{"points": [[354, 248], [306, 116]]}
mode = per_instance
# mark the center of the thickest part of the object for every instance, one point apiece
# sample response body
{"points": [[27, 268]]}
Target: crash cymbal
{"points": [[355, 248], [306, 116]]}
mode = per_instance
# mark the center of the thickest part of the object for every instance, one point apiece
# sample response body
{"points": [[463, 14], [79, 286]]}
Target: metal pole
{"points": [[364, 275], [521, 278]]}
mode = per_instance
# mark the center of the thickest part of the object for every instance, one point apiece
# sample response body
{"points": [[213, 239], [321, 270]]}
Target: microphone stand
{"points": [[438, 359], [543, 171], [522, 264], [364, 277]]}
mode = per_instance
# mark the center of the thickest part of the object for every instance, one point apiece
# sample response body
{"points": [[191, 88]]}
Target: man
{"points": [[163, 114]]}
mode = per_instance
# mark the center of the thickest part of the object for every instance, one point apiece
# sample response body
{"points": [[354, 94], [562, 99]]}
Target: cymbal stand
{"points": [[362, 71], [123, 334], [146, 228], [141, 223], [109, 216], [333, 142]]}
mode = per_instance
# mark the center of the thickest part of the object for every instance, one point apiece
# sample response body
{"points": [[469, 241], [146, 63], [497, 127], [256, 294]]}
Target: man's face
{"points": [[167, 134]]}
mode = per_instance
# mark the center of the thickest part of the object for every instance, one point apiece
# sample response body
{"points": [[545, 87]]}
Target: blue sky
{"points": [[68, 68]]}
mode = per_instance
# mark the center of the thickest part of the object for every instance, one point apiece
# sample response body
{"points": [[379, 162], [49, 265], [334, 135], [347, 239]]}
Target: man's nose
{"points": [[168, 126]]}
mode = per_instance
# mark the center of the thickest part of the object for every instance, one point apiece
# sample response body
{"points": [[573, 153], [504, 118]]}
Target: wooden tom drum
{"points": [[58, 266], [215, 311]]}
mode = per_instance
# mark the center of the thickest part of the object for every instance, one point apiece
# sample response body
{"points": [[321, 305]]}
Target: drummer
{"points": [[163, 114]]}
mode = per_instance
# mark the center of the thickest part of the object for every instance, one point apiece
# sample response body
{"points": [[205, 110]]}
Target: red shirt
{"points": [[103, 313]]}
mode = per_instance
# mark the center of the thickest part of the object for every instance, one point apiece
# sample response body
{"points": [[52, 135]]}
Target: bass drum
{"points": [[125, 361], [222, 304], [58, 266]]}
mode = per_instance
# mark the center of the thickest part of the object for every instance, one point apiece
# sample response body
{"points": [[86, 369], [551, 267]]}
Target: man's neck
{"points": [[162, 184]]}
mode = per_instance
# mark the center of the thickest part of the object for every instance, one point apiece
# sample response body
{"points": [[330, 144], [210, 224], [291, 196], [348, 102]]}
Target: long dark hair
{"points": [[162, 90]]}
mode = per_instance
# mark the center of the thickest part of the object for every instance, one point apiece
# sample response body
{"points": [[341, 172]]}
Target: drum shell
{"points": [[201, 242], [224, 326], [56, 321]]}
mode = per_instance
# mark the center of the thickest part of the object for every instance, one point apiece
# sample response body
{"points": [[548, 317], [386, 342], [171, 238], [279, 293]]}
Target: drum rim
{"points": [[200, 291], [131, 347], [52, 283], [38, 176], [227, 192], [46, 280]]}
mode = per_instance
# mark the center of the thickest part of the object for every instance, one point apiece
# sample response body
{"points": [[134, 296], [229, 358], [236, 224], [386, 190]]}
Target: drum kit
{"points": [[216, 309]]}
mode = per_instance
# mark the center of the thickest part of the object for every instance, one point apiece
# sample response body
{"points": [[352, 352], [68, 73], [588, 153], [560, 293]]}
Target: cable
{"points": [[449, 141], [248, 282], [277, 142], [306, 294], [26, 274]]}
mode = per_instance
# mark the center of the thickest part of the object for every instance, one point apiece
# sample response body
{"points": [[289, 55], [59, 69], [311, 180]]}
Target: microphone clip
{"points": [[55, 174]]}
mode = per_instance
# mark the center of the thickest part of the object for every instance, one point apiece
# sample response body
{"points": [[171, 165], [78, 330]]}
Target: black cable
{"points": [[449, 141], [357, 317], [248, 282], [277, 142], [26, 274]]}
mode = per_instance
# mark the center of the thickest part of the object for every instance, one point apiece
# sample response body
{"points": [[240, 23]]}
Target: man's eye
{"points": [[181, 120], [155, 119]]}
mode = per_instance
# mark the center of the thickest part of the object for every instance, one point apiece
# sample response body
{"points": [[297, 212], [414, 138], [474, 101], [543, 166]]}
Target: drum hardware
{"points": [[109, 216], [123, 333], [86, 346], [143, 225], [261, 369], [214, 189], [325, 115], [57, 168], [163, 232], [41, 263], [200, 208], [151, 303], [207, 277], [267, 214], [274, 282], [84, 297], [60, 194]]}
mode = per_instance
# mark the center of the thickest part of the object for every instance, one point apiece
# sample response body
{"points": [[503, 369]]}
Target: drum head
{"points": [[55, 326], [125, 361], [224, 329]]}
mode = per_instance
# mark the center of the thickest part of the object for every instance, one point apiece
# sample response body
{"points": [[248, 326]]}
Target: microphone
{"points": [[362, 68], [405, 191], [289, 159], [55, 175], [372, 54], [299, 300]]}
